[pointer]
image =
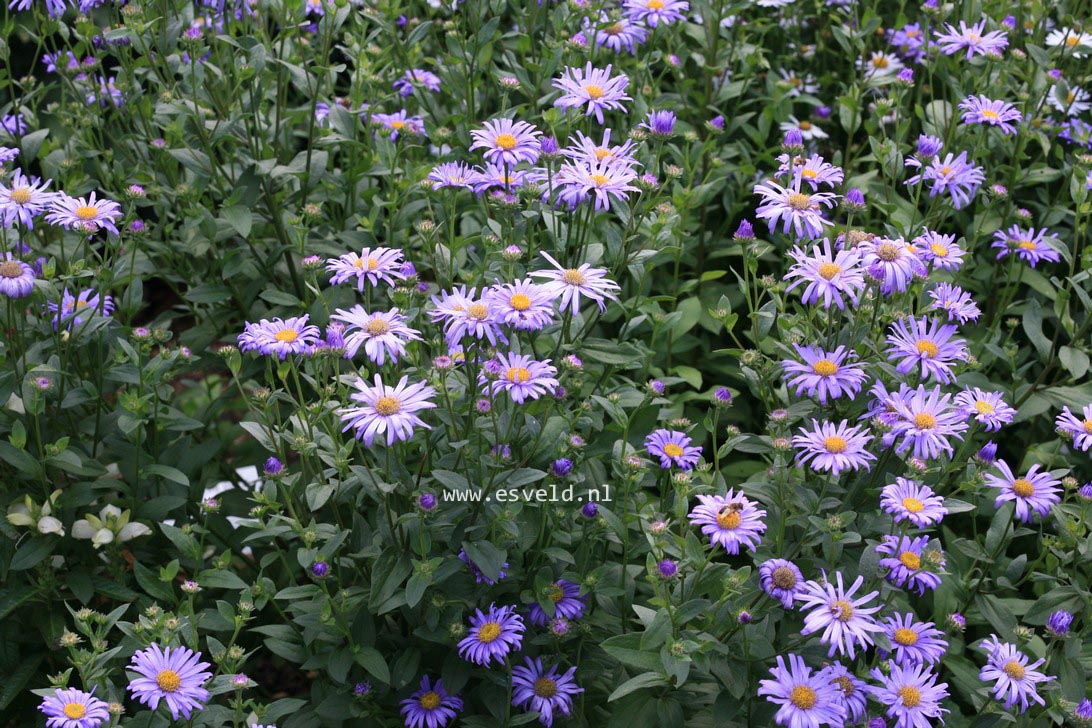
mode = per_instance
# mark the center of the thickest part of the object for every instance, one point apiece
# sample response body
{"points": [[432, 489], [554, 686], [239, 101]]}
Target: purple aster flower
{"points": [[22, 199], [592, 87], [730, 520], [492, 635], [829, 276], [981, 110], [1034, 493], [16, 277], [939, 250], [846, 622], [568, 603], [523, 305], [833, 447], [74, 708], [852, 693], [568, 284], [909, 41], [386, 409], [658, 123], [782, 580], [383, 334], [479, 575], [1083, 711], [915, 642], [1079, 428], [1015, 679], [928, 343], [1029, 245], [71, 309], [797, 210], [814, 170], [106, 93], [924, 420], [673, 448], [502, 180], [655, 12], [371, 266], [522, 377], [904, 556], [953, 175], [805, 700], [456, 175], [361, 689], [7, 154], [580, 181], [911, 694], [416, 78], [507, 142], [986, 407], [974, 39], [86, 214], [956, 302], [543, 691], [279, 337], [898, 261], [1059, 622], [430, 706], [619, 35], [174, 675], [400, 123], [585, 149], [908, 500], [824, 374], [464, 315]]}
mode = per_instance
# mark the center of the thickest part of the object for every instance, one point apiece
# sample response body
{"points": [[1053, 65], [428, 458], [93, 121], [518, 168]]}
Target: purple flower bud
{"points": [[559, 627], [273, 466], [667, 568], [717, 122], [877, 723], [361, 689], [660, 123], [1085, 493], [906, 76], [484, 406], [1084, 710], [744, 617], [408, 269], [426, 501], [656, 386], [822, 112], [1059, 622], [745, 231], [137, 226], [722, 397], [929, 146], [855, 196], [320, 569], [561, 467], [793, 140], [988, 454], [1055, 74], [1009, 22], [590, 510], [957, 621], [548, 146]]}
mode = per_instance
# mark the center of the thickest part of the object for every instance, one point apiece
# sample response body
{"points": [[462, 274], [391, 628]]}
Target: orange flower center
{"points": [[655, 4], [845, 684], [86, 212], [429, 701], [880, 62], [10, 269], [168, 681], [544, 686], [983, 407], [75, 711], [1027, 245], [1014, 670], [842, 609], [928, 348], [906, 637], [599, 179], [672, 450], [799, 201], [804, 126], [489, 632], [888, 252], [803, 697], [911, 696], [478, 311], [729, 519], [594, 92], [1023, 487], [939, 250], [377, 327], [783, 578], [924, 421], [910, 560], [573, 277]]}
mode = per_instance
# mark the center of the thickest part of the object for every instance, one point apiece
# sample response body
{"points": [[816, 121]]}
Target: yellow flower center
{"points": [[1014, 670], [1087, 426], [880, 62], [1027, 245], [672, 450], [489, 632], [1072, 41], [615, 29], [168, 681], [544, 686], [827, 271], [799, 201], [924, 421], [10, 269], [808, 173], [287, 336], [517, 374], [505, 141], [86, 212], [387, 406], [906, 637], [888, 252], [655, 4], [520, 302], [602, 153], [990, 114], [845, 684], [377, 327], [913, 505], [939, 250], [803, 697], [397, 124], [555, 593], [945, 171], [429, 701], [911, 696], [910, 560], [729, 519], [573, 277], [594, 92], [20, 195], [1071, 97], [983, 407], [784, 578], [804, 126], [928, 348], [835, 444], [599, 179], [842, 609], [81, 304], [825, 368], [75, 711], [478, 311], [1023, 487]]}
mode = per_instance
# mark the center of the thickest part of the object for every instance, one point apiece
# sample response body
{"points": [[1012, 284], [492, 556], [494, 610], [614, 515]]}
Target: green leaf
{"points": [[626, 648], [219, 579], [1075, 360], [13, 596], [486, 557], [151, 584], [370, 659], [168, 473], [32, 553], [240, 218], [644, 680]]}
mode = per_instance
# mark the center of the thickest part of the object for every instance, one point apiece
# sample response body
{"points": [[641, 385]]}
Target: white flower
{"points": [[49, 524], [1068, 38], [111, 524], [133, 530], [1071, 103]]}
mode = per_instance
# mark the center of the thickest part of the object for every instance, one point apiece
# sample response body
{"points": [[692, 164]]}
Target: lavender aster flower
{"points": [[911, 501], [479, 575], [592, 87], [927, 343], [846, 622], [986, 407], [924, 420], [279, 337], [493, 634], [1079, 428], [939, 250], [522, 377], [852, 693], [911, 694], [797, 210], [1029, 245], [1015, 679], [73, 708], [954, 301], [974, 39], [824, 374], [507, 142], [898, 261], [383, 334], [86, 214], [1034, 494], [23, 200], [371, 266], [72, 309], [523, 305], [430, 706], [416, 78], [619, 35], [981, 110], [656, 12], [172, 674], [386, 409], [915, 642], [543, 691], [730, 520], [672, 448], [580, 181], [782, 580], [956, 176], [805, 700], [16, 277], [568, 284], [833, 447], [568, 603], [456, 175], [903, 560]]}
